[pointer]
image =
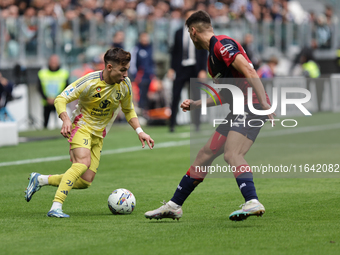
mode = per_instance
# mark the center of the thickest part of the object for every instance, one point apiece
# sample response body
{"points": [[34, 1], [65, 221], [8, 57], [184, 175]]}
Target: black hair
{"points": [[198, 17]]}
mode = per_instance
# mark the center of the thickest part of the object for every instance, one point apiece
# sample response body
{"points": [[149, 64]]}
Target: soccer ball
{"points": [[121, 201]]}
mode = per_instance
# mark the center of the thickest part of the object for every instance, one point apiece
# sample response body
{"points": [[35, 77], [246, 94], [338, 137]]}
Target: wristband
{"points": [[139, 130]]}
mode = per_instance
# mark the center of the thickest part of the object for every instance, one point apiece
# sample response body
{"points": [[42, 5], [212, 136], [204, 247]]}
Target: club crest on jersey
{"points": [[99, 89], [118, 95], [226, 48], [104, 104]]}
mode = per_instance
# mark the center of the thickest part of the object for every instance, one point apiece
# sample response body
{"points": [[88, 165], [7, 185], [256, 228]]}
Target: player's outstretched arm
{"points": [[242, 65], [60, 105], [143, 137], [189, 104], [67, 125]]}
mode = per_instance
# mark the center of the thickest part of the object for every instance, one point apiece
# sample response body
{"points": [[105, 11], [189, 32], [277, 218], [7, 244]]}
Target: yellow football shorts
{"points": [[81, 138]]}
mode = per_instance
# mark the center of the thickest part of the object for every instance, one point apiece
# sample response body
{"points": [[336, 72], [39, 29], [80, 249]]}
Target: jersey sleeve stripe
{"points": [[127, 81], [90, 77]]}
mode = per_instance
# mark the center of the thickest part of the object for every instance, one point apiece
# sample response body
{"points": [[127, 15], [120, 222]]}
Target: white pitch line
{"points": [[108, 152], [288, 131]]}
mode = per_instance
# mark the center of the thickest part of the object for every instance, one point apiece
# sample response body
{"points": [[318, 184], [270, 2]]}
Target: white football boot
{"points": [[167, 210], [251, 208]]}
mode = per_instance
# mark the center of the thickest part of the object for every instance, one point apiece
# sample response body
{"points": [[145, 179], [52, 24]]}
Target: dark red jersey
{"points": [[222, 53]]}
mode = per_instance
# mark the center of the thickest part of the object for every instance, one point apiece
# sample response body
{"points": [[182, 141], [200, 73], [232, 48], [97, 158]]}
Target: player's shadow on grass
{"points": [[168, 221], [241, 225]]}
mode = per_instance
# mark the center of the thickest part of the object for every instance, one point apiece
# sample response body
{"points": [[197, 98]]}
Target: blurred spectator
{"points": [[189, 5], [176, 4], [61, 7], [175, 23], [22, 5], [222, 12], [6, 88], [310, 69], [212, 11], [323, 32], [267, 15], [51, 82], [312, 21], [96, 64], [268, 70], [106, 9], [309, 66], [158, 25], [305, 51], [131, 4], [330, 17], [253, 13], [117, 9], [142, 67], [29, 29], [144, 8], [186, 62], [238, 8], [325, 28], [200, 6], [250, 49], [156, 97], [118, 39], [12, 31]]}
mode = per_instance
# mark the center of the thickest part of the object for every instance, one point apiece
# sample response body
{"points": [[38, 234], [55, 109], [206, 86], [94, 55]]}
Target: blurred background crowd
{"points": [[76, 29], [279, 36]]}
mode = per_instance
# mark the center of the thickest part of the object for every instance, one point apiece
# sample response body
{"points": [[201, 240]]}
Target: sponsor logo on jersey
{"points": [[226, 48], [104, 104]]}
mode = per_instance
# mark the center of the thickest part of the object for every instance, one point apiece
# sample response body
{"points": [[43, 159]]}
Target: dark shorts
{"points": [[248, 125]]}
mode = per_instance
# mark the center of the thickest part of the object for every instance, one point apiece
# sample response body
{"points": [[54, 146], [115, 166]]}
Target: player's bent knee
{"points": [[228, 156], [81, 184], [86, 162]]}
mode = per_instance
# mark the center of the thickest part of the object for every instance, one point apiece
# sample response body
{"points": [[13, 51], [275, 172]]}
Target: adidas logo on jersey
{"points": [[97, 95]]}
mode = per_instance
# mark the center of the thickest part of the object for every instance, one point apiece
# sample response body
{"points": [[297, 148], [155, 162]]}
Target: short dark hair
{"points": [[198, 17], [117, 56]]}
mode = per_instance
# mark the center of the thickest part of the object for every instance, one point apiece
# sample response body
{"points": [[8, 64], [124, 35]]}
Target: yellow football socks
{"points": [[55, 180], [68, 180]]}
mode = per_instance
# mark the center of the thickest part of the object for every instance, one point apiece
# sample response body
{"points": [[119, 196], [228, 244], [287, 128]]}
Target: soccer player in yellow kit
{"points": [[101, 95]]}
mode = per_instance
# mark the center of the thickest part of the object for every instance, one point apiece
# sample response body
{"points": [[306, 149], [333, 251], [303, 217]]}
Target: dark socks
{"points": [[184, 189]]}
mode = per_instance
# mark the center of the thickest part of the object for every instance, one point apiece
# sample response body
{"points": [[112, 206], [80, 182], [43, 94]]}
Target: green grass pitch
{"points": [[302, 214]]}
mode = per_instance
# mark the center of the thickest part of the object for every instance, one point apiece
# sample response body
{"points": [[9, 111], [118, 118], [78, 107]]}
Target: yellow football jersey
{"points": [[99, 103]]}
